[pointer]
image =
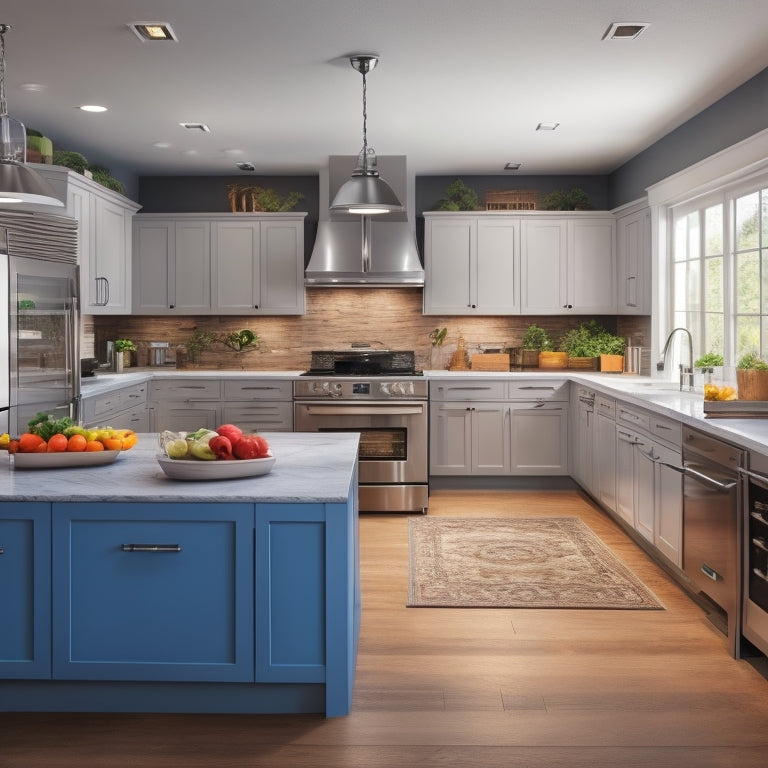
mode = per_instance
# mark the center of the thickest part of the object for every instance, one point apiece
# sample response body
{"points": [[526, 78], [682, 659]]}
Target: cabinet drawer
{"points": [[538, 389], [153, 592], [257, 389], [133, 396], [468, 389], [103, 405], [633, 417], [668, 430], [605, 406], [259, 416], [186, 389]]}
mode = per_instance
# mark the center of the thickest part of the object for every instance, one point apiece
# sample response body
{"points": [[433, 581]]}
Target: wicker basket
{"points": [[511, 200]]}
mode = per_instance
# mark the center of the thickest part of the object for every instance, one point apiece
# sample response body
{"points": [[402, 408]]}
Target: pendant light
{"points": [[18, 182], [366, 192]]}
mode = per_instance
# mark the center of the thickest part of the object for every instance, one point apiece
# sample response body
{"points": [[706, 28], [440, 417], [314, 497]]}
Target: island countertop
{"points": [[309, 467]]}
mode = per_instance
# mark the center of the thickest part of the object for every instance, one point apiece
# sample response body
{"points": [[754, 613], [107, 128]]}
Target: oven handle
{"points": [[755, 477], [707, 480], [364, 410]]}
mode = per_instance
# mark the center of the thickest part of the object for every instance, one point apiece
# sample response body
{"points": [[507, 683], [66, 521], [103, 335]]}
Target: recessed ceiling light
{"points": [[625, 30], [92, 108], [232, 151], [153, 31], [512, 166], [161, 144], [196, 127], [32, 87], [547, 126], [246, 166]]}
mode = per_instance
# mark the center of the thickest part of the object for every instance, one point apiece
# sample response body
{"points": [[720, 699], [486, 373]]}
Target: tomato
{"points": [[94, 445], [251, 447], [13, 446], [221, 446], [30, 443], [230, 431], [57, 443], [76, 443]]}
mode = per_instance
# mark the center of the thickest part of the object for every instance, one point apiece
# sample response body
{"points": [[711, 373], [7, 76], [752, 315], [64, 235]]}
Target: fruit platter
{"points": [[207, 454], [51, 443]]}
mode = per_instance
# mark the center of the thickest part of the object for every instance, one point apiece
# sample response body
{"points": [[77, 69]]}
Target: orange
{"points": [[57, 443], [129, 441], [76, 443], [29, 442], [112, 443], [13, 446], [94, 445]]}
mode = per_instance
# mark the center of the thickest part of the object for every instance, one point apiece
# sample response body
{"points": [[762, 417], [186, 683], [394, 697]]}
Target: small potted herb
{"points": [[123, 350], [752, 377], [535, 341]]}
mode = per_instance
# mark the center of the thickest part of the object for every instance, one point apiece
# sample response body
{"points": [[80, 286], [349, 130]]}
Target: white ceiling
{"points": [[460, 86]]}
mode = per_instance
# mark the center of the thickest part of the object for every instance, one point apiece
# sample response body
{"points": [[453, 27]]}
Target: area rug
{"points": [[550, 562]]}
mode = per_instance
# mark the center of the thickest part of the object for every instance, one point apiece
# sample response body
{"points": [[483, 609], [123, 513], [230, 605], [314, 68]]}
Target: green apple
{"points": [[201, 450], [176, 449]]}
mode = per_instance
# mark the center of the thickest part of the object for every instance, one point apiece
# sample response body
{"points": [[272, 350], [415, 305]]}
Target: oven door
{"points": [[393, 435]]}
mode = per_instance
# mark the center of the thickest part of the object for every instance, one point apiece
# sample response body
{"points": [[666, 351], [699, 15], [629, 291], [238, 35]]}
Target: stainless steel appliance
{"points": [[39, 360], [712, 524], [755, 602], [381, 395]]}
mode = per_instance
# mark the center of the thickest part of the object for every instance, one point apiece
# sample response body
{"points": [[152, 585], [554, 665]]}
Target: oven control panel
{"points": [[360, 389]]}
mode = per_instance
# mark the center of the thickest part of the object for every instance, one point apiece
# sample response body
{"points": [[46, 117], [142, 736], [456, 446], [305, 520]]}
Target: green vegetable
{"points": [[710, 360], [46, 426]]}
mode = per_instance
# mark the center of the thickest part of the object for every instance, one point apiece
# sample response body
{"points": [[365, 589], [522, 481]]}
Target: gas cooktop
{"points": [[363, 362]]}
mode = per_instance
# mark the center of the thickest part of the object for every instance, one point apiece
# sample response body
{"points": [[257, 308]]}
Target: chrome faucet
{"points": [[686, 371]]}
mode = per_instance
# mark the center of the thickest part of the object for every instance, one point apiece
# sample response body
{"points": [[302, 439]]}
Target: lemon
{"points": [[176, 449]]}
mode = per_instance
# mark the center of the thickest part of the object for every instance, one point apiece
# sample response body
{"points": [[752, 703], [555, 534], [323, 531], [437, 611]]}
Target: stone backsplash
{"points": [[336, 317]]}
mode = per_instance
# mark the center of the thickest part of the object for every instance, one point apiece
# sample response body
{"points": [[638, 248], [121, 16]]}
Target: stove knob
{"points": [[337, 389]]}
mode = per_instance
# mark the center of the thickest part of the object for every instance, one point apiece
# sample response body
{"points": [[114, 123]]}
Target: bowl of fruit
{"points": [[51, 443], [207, 454]]}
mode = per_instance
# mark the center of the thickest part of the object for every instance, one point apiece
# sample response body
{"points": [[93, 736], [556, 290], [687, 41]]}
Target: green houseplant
{"points": [[535, 341], [458, 197], [123, 351], [752, 377]]}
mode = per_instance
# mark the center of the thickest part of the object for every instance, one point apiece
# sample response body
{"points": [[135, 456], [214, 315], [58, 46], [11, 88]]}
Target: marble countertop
{"points": [[309, 467], [659, 395]]}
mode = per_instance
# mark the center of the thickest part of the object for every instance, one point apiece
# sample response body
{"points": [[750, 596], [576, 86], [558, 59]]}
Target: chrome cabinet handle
{"points": [[151, 548]]}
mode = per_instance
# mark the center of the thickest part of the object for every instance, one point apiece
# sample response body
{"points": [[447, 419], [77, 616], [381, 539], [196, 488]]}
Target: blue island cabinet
{"points": [[180, 607]]}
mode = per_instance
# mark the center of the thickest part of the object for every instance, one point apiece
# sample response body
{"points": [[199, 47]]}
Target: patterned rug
{"points": [[552, 562]]}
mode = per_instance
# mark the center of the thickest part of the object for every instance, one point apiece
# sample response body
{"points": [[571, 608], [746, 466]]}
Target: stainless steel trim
{"points": [[151, 548], [369, 409]]}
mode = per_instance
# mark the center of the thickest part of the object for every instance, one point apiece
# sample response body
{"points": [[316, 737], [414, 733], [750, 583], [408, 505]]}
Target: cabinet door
{"points": [[153, 249], [450, 246], [591, 265], [633, 263], [539, 439], [450, 439], [153, 592], [490, 438], [191, 268], [282, 268], [668, 533], [236, 272], [645, 499], [604, 459], [498, 266], [259, 416], [543, 266], [25, 590], [625, 474], [110, 259], [186, 417]]}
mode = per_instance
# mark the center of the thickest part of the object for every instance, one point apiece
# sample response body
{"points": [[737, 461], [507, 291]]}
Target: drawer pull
{"points": [[151, 548], [710, 573]]}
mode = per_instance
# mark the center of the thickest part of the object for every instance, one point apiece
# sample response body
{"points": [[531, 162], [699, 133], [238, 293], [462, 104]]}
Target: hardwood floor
{"points": [[470, 687]]}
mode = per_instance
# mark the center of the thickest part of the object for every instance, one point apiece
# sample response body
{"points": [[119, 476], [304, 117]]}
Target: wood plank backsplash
{"points": [[384, 317]]}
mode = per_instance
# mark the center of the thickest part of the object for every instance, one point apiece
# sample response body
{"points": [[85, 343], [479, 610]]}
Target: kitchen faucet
{"points": [[686, 372]]}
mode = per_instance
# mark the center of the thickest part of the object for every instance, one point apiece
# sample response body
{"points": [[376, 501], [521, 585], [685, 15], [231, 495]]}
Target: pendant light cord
{"points": [[3, 104], [365, 122]]}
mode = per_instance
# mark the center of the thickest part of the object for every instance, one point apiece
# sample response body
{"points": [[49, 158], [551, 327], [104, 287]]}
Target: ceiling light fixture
{"points": [[246, 166], [547, 126], [18, 183], [153, 31], [366, 193], [92, 108], [625, 30], [202, 127], [512, 166]]}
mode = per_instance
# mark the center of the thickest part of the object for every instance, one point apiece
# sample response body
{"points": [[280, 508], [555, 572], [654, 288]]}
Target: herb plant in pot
{"points": [[123, 350], [535, 341], [752, 377], [580, 344]]}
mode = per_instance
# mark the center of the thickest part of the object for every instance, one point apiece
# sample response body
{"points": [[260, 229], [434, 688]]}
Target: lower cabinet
{"points": [[25, 591], [539, 438], [124, 408]]}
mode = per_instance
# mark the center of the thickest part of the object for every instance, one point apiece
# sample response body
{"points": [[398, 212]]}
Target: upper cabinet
{"points": [[219, 264], [104, 242], [567, 263], [633, 260], [471, 264]]}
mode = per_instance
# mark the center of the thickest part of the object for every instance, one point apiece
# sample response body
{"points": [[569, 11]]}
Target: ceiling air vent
{"points": [[625, 30], [196, 127]]}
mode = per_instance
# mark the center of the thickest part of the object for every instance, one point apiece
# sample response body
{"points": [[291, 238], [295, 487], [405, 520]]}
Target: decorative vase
{"points": [[752, 384]]}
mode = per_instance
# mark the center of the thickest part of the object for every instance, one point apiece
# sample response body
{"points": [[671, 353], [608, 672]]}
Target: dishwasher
{"points": [[712, 527]]}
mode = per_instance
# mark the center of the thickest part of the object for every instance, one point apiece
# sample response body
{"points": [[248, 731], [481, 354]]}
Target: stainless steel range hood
{"points": [[375, 251]]}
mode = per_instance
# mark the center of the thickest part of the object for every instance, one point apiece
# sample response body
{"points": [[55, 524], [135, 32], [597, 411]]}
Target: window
{"points": [[720, 271]]}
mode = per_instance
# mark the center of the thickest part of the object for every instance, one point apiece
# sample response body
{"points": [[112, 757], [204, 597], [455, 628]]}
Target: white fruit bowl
{"points": [[192, 469]]}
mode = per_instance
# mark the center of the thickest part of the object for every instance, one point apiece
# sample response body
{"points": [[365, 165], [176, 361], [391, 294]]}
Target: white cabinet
{"points": [[539, 433], [604, 452], [567, 264], [582, 417], [244, 264], [633, 262], [104, 239], [471, 264], [124, 408]]}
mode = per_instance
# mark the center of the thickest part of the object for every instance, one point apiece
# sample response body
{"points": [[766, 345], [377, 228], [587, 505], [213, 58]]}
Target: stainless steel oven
{"points": [[391, 414]]}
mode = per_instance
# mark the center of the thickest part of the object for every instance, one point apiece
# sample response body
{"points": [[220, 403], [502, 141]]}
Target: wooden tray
{"points": [[490, 361], [736, 409]]}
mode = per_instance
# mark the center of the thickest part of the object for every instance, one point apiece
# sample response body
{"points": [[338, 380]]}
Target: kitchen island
{"points": [[133, 592]]}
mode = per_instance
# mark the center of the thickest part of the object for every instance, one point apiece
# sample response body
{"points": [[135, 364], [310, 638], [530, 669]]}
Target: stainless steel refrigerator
{"points": [[39, 335]]}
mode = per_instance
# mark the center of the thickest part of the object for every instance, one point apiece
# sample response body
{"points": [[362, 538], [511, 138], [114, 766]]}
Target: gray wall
{"points": [[740, 114]]}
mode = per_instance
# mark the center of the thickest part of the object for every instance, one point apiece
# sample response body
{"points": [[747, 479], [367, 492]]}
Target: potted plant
{"points": [[123, 350], [752, 377], [611, 350], [535, 341], [580, 344], [458, 197]]}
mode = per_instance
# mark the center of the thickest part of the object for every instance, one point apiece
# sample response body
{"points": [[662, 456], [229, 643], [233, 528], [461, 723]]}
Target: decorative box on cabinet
{"points": [[104, 242], [471, 264]]}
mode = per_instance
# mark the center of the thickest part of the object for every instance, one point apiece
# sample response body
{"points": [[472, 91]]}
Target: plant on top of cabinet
{"points": [[260, 200], [458, 197], [575, 199]]}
